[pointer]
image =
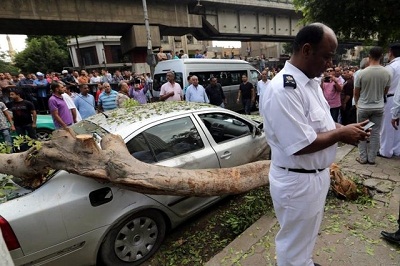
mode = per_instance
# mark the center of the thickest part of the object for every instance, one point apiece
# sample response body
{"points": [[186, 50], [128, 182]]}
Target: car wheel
{"points": [[43, 134], [133, 240]]}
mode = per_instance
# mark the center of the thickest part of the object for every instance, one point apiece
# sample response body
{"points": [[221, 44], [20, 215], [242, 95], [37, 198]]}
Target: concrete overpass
{"points": [[244, 20]]}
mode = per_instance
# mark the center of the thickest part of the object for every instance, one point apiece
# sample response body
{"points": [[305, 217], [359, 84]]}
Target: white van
{"points": [[228, 72]]}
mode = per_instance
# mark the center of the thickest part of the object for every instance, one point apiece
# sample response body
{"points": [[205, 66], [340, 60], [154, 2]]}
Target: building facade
{"points": [[97, 52]]}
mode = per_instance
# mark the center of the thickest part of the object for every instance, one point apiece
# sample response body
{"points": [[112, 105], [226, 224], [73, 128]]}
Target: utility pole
{"points": [[151, 61]]}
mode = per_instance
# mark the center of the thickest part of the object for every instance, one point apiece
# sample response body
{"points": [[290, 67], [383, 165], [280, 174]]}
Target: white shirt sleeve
{"points": [[396, 104], [71, 105]]}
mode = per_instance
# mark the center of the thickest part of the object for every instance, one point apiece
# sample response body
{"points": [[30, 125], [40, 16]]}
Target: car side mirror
{"points": [[256, 131]]}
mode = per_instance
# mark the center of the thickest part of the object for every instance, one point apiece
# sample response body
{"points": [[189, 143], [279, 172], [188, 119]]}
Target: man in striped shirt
{"points": [[107, 99]]}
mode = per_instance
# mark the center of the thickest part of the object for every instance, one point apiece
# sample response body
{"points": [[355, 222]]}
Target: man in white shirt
{"points": [[71, 105], [262, 85], [302, 136]]}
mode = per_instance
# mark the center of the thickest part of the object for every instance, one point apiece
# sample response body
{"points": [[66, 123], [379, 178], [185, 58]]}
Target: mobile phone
{"points": [[368, 126]]}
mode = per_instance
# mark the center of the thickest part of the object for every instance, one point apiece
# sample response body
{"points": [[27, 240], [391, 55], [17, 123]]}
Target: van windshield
{"points": [[160, 79]]}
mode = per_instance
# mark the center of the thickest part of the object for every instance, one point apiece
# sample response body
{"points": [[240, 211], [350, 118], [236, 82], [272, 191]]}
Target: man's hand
{"points": [[34, 124], [12, 128], [353, 133], [395, 123]]}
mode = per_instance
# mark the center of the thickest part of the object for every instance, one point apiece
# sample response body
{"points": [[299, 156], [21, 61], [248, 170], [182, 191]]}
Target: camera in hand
{"points": [[327, 79], [137, 81]]}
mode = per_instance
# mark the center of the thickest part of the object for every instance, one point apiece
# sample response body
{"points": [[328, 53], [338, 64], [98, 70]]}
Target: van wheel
{"points": [[133, 240]]}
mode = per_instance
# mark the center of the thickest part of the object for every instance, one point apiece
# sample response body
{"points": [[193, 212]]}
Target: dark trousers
{"points": [[335, 113], [25, 130], [247, 106], [349, 115]]}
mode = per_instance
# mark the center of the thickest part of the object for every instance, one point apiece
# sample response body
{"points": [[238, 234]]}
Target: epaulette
{"points": [[288, 81]]}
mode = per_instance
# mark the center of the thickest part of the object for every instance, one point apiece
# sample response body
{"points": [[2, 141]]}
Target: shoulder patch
{"points": [[288, 81]]}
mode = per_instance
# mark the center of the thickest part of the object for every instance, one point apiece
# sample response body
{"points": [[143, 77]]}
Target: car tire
{"points": [[43, 134], [133, 240]]}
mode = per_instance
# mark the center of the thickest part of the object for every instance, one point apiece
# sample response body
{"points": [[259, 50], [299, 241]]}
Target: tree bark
{"points": [[113, 163]]}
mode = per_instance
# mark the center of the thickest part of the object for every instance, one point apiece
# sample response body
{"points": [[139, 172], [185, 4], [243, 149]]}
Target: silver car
{"points": [[73, 220]]}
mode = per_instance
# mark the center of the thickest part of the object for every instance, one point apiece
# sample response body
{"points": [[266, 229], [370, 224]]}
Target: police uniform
{"points": [[389, 137], [294, 111]]}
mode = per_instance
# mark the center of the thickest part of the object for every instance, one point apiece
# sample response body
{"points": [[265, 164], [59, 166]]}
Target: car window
{"points": [[225, 127], [165, 141]]}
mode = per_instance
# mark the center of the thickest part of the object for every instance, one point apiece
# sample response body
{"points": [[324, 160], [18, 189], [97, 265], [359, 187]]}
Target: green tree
{"points": [[355, 20], [287, 48], [43, 53], [6, 66]]}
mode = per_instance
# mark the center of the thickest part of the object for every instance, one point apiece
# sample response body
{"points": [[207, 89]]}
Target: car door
{"points": [[175, 142], [231, 137]]}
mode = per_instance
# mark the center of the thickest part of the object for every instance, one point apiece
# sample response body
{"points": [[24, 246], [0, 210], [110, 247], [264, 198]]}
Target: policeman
{"points": [[389, 137], [302, 136]]}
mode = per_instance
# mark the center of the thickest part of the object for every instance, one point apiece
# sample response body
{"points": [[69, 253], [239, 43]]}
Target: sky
{"points": [[18, 42]]}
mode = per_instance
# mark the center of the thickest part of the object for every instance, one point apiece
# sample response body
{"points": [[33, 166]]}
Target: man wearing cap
{"points": [[68, 79], [41, 89], [40, 81]]}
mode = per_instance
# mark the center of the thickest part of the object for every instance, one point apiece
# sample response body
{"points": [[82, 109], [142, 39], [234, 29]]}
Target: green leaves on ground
{"points": [[209, 234]]}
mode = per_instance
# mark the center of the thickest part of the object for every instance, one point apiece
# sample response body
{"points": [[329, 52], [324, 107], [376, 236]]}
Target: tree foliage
{"points": [[43, 53], [355, 20], [6, 66]]}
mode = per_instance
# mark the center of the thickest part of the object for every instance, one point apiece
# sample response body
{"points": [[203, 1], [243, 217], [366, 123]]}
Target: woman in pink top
{"points": [[332, 89]]}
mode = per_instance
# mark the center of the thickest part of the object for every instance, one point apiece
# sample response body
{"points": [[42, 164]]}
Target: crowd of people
{"points": [[367, 92], [68, 97]]}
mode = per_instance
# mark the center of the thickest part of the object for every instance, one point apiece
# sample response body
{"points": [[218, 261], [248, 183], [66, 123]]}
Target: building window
{"points": [[190, 39], [113, 53], [88, 56], [164, 39], [116, 54]]}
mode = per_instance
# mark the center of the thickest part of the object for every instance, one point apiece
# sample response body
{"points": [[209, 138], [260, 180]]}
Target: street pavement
{"points": [[350, 231]]}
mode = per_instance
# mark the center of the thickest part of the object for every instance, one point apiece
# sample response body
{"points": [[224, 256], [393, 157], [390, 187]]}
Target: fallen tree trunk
{"points": [[113, 163]]}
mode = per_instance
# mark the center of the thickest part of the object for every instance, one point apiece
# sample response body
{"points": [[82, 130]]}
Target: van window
{"points": [[160, 79], [225, 78], [254, 75]]}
